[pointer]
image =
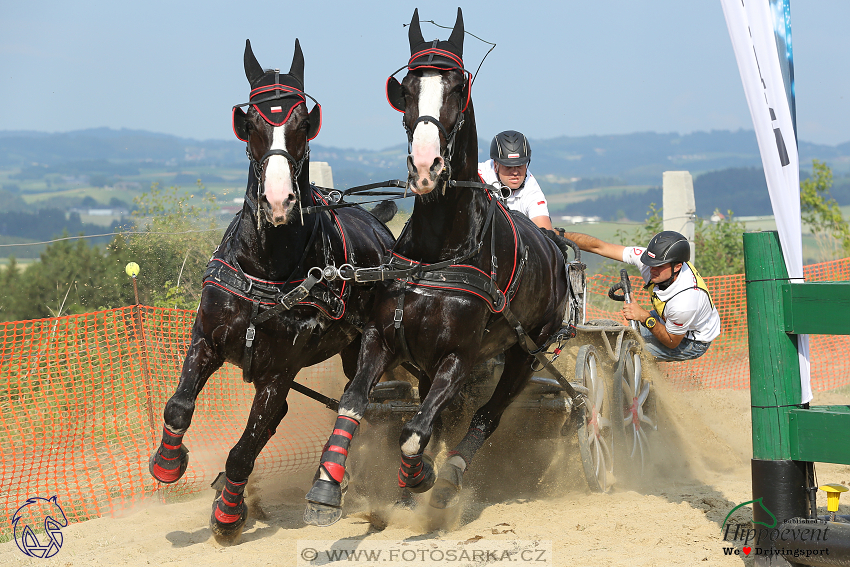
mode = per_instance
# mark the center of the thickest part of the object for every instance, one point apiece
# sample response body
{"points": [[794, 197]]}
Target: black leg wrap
{"points": [[170, 460], [469, 445], [416, 473], [229, 512]]}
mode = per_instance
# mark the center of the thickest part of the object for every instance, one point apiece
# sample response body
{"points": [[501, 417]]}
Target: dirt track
{"points": [[516, 490]]}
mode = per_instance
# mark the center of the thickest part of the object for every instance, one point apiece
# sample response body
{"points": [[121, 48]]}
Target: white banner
{"points": [[751, 27]]}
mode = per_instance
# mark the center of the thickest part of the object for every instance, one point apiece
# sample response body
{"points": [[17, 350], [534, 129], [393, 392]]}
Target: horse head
{"points": [[277, 129], [435, 98]]}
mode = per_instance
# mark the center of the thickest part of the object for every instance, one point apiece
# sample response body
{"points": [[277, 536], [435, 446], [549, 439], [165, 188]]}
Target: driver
{"points": [[684, 320], [510, 155]]}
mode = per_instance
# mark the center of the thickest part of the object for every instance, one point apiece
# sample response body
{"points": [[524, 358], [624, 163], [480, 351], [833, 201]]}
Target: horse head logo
{"points": [[36, 514]]}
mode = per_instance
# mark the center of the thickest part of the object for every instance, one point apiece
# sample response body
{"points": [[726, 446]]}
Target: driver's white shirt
{"points": [[690, 312], [529, 200]]}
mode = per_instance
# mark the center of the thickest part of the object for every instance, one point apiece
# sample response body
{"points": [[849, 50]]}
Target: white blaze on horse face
{"points": [[277, 184], [425, 148]]}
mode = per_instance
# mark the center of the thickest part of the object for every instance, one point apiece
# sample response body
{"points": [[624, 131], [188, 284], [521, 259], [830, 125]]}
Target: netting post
{"points": [[143, 348], [774, 384]]}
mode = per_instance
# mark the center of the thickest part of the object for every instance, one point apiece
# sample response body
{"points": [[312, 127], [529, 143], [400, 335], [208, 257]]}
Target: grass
{"points": [[576, 196]]}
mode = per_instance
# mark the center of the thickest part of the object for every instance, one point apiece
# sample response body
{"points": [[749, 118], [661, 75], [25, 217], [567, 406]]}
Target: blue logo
{"points": [[38, 513]]}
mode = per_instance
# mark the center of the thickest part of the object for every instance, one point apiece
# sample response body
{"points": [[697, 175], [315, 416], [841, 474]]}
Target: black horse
{"points": [[471, 280], [264, 307]]}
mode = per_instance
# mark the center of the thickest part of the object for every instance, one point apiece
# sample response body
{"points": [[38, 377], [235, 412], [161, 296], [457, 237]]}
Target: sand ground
{"points": [[519, 488]]}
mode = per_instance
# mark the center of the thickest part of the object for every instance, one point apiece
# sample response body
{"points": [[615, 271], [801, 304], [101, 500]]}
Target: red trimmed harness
{"points": [[471, 279], [226, 274]]}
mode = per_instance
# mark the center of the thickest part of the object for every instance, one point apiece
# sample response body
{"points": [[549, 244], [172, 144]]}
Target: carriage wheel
{"points": [[634, 418], [593, 425]]}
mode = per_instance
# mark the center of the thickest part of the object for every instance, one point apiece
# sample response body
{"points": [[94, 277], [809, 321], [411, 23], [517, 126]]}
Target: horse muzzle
{"points": [[280, 213], [424, 179]]}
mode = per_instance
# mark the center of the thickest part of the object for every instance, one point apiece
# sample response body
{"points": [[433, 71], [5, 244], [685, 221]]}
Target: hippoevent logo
{"points": [[35, 515], [762, 540]]}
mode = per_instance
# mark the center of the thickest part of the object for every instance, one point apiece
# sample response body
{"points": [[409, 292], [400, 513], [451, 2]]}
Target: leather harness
{"points": [[453, 275], [225, 273]]}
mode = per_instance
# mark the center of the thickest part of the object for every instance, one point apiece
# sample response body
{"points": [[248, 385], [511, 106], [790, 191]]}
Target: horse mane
{"points": [[384, 211]]}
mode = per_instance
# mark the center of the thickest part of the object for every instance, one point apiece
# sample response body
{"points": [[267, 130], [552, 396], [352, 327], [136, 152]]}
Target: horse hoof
{"points": [[321, 515], [428, 477], [405, 501], [447, 489], [227, 533], [168, 471], [445, 494], [327, 493], [346, 480]]}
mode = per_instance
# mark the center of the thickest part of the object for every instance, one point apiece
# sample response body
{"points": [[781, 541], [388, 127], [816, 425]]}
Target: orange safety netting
{"points": [[81, 398]]}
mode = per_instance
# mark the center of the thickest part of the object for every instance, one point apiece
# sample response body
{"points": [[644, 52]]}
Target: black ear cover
{"points": [[240, 124], [315, 118], [466, 94], [395, 95]]}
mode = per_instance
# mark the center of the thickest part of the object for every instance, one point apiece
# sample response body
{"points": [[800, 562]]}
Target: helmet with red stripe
{"points": [[510, 148]]}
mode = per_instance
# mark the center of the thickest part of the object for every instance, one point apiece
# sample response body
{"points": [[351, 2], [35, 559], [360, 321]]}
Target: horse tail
{"points": [[384, 211]]}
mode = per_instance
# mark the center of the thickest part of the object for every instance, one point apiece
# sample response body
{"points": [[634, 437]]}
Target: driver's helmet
{"points": [[668, 247], [510, 148]]}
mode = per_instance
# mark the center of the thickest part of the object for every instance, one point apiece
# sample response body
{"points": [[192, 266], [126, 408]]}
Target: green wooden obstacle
{"points": [[777, 311], [787, 436]]}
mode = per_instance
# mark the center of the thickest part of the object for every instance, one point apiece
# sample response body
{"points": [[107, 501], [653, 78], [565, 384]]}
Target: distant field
{"points": [[225, 183], [576, 196], [23, 263]]}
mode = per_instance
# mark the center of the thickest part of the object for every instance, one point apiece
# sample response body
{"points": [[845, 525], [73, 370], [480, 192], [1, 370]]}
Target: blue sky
{"points": [[560, 68]]}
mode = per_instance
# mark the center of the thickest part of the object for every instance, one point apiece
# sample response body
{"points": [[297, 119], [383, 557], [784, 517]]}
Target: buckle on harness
{"points": [[399, 313], [500, 299], [250, 334]]}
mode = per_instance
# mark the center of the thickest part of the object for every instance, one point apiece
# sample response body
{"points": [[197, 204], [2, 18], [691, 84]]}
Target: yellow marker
{"points": [[132, 269], [833, 493]]}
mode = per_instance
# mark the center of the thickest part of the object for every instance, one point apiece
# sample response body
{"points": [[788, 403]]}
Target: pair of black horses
{"points": [[465, 280]]}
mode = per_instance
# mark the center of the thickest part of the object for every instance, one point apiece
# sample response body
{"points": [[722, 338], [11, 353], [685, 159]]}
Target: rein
{"points": [[337, 196]]}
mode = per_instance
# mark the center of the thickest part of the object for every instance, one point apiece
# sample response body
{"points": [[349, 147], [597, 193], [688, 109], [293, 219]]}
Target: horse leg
{"points": [[229, 511], [416, 472], [324, 500], [169, 461], [485, 421], [348, 356]]}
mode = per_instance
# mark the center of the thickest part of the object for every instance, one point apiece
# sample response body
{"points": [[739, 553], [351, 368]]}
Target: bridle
{"points": [[449, 136], [259, 166], [396, 100], [277, 92]]}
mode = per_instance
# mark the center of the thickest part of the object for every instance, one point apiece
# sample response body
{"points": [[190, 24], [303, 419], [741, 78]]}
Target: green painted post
{"points": [[774, 365], [775, 390]]}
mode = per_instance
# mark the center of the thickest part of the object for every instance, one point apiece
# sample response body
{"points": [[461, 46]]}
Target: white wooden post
{"points": [[679, 205], [321, 174]]}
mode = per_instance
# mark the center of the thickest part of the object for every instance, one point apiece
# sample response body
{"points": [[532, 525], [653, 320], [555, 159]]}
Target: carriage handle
{"points": [[625, 286]]}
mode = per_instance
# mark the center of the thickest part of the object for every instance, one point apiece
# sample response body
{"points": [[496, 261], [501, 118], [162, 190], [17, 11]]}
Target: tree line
{"points": [[172, 241], [169, 238], [743, 189]]}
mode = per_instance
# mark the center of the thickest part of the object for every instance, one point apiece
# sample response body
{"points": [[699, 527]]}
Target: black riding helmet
{"points": [[510, 148], [666, 247]]}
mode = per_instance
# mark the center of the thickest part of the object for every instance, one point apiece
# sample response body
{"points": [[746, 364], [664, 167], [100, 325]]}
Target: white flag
{"points": [[750, 24]]}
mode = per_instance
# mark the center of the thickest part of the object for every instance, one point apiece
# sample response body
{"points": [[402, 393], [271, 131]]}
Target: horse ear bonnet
{"points": [[434, 54], [275, 95]]}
